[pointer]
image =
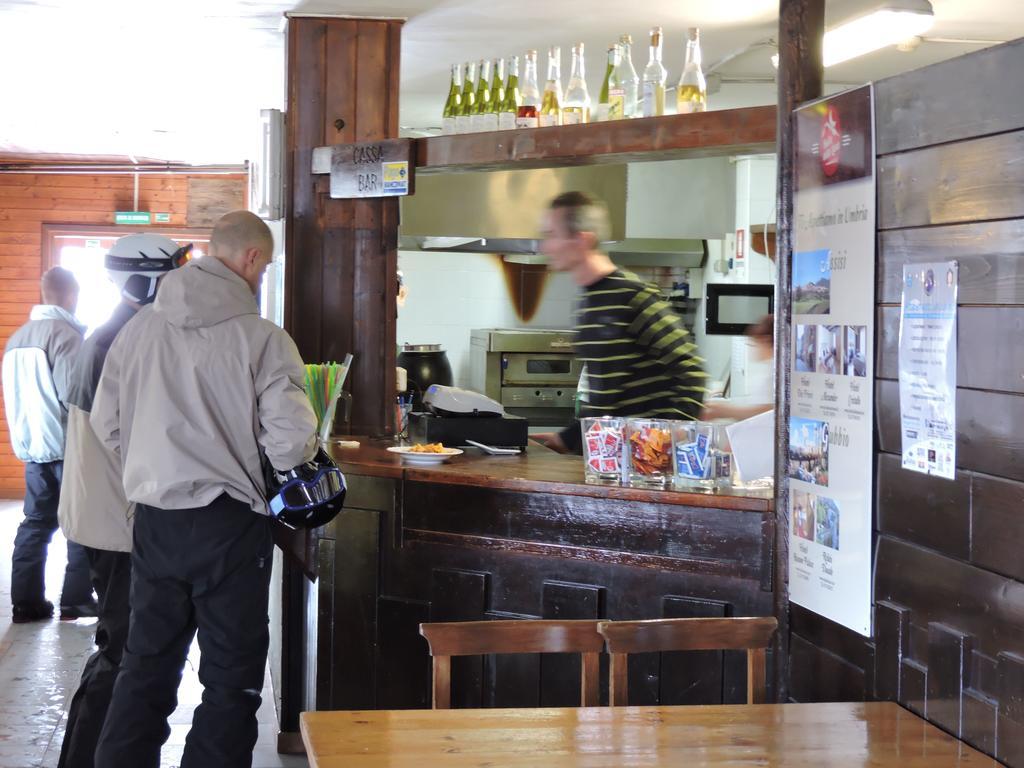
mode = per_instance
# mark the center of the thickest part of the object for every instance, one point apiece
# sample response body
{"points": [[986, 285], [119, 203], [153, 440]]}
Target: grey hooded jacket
{"points": [[36, 373], [194, 387]]}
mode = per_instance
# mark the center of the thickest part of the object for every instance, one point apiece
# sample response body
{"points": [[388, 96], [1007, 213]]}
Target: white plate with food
{"points": [[425, 453]]}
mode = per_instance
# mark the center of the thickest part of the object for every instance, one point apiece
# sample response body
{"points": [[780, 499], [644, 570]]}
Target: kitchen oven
{"points": [[532, 372]]}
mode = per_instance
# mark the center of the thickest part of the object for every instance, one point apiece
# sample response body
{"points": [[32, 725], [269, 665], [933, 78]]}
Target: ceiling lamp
{"points": [[888, 24]]}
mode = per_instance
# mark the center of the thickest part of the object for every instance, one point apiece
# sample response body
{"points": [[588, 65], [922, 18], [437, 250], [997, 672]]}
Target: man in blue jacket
{"points": [[36, 372]]}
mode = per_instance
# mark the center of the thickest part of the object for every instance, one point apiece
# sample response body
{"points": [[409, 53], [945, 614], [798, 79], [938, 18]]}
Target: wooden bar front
{"points": [[524, 537]]}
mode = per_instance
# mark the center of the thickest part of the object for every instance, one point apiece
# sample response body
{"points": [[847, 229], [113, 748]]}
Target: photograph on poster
{"points": [[812, 283], [854, 362], [808, 450], [826, 525], [830, 342], [804, 505], [805, 351]]}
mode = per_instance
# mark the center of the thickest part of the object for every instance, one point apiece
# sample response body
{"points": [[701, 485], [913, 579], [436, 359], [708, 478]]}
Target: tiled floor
{"points": [[40, 665]]}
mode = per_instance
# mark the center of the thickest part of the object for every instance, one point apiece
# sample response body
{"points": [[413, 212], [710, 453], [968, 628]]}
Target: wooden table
{"points": [[877, 734]]}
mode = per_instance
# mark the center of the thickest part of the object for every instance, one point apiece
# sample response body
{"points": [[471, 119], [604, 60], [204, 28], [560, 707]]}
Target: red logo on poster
{"points": [[831, 142]]}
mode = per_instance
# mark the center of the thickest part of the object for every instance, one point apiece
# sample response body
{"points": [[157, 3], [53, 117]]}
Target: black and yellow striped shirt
{"points": [[640, 359]]}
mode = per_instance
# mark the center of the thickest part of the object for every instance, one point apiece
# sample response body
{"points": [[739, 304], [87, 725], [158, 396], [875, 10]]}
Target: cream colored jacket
{"points": [[93, 510], [194, 387]]}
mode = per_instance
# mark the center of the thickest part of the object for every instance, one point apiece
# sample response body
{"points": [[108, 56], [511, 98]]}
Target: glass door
{"points": [[81, 249]]}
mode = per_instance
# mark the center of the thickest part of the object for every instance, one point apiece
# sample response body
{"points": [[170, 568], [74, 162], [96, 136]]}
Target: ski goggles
{"points": [[177, 259], [299, 494]]}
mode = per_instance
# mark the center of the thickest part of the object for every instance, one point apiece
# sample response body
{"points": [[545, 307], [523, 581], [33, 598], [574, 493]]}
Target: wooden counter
{"points": [[538, 470], [524, 537]]}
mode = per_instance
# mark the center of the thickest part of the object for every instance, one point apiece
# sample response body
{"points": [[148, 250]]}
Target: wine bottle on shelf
{"points": [[692, 94], [551, 103], [464, 118], [630, 81], [454, 101], [529, 108], [482, 105], [510, 106], [576, 107], [601, 113], [654, 79], [617, 88], [490, 120]]}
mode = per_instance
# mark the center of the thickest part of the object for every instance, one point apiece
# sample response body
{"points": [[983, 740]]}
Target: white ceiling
{"points": [[184, 80]]}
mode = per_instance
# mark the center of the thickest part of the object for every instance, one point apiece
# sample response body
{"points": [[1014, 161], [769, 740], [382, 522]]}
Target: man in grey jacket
{"points": [[93, 511], [193, 391], [36, 371]]}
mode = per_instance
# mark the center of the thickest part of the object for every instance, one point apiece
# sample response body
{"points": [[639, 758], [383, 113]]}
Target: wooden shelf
{"points": [[709, 134]]}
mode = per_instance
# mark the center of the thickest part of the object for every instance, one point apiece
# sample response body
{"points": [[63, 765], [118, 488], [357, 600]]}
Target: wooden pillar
{"points": [[800, 79], [342, 255], [341, 269]]}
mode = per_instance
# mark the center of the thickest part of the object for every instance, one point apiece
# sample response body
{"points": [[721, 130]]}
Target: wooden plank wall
{"points": [[949, 575], [340, 284], [26, 203]]}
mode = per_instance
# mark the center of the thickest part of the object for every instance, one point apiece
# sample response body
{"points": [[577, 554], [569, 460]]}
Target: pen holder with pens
{"points": [[403, 406]]}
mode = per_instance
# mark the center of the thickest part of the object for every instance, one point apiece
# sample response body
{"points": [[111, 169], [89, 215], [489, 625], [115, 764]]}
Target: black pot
{"points": [[425, 364]]}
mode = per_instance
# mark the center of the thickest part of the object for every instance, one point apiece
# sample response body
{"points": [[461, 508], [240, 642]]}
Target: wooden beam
{"points": [[707, 134], [341, 282], [341, 272], [800, 78]]}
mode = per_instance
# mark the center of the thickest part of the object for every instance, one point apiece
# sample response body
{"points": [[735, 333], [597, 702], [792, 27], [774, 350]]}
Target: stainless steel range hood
{"points": [[661, 212]]}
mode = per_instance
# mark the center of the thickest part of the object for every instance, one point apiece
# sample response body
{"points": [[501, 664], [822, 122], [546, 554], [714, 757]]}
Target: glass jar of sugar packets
{"points": [[701, 455], [650, 452], [603, 445]]}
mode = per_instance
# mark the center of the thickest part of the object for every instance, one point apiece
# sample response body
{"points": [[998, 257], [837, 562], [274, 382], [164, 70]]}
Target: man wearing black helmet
{"points": [[194, 392], [93, 510]]}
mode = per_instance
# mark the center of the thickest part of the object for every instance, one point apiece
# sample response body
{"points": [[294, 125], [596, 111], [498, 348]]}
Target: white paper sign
{"points": [[748, 439], [830, 453], [928, 368]]}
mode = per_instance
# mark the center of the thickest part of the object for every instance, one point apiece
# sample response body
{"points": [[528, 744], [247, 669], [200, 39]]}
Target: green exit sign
{"points": [[131, 217], [162, 218]]}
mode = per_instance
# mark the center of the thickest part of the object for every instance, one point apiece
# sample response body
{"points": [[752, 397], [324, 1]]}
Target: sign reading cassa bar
{"points": [[372, 169], [831, 426]]}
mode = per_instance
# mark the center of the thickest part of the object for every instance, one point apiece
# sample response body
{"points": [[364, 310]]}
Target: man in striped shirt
{"points": [[640, 360]]}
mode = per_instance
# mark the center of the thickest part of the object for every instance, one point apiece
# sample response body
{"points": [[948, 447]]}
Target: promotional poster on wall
{"points": [[830, 452], [928, 368]]}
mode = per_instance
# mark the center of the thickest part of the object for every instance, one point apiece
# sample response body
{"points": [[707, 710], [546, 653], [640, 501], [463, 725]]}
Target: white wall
{"points": [[755, 205], [716, 350], [451, 294], [755, 209]]}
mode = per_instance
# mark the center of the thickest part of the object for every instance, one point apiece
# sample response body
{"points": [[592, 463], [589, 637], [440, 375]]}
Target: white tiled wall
{"points": [[451, 294]]}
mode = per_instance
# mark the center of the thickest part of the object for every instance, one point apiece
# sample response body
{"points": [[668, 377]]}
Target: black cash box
{"points": [[453, 431]]}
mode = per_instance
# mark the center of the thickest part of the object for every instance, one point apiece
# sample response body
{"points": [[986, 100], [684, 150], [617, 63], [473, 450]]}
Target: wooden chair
{"points": [[752, 635], [475, 638]]}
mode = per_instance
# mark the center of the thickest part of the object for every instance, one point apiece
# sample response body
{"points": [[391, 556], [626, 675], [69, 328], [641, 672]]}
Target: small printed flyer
{"points": [[928, 367], [830, 453]]}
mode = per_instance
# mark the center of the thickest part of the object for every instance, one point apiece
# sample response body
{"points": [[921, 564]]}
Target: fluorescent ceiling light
{"points": [[889, 24]]}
